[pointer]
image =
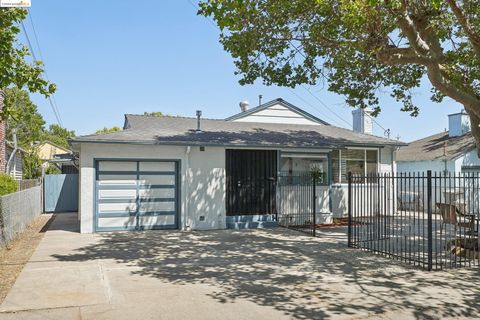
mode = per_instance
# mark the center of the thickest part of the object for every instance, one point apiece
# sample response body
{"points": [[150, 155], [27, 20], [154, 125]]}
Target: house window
{"points": [[297, 166], [357, 161]]}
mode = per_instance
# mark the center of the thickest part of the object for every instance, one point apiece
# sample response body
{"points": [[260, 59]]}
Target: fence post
{"points": [[314, 180], [349, 209], [429, 213]]}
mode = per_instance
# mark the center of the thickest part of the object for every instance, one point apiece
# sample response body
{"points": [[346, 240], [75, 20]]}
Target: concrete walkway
{"points": [[250, 274]]}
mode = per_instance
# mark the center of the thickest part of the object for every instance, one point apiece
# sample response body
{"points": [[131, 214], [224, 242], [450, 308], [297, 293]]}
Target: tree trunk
{"points": [[3, 135], [475, 125]]}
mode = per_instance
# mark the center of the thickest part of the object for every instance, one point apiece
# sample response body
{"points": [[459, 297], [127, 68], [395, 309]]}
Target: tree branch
{"points": [[470, 101], [467, 27], [395, 56]]}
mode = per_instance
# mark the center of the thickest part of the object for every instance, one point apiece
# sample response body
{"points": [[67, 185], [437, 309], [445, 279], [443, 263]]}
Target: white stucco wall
{"points": [[469, 159], [424, 166], [206, 189], [202, 190]]}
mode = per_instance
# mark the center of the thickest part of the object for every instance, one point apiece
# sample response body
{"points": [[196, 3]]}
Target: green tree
{"points": [[153, 114], [58, 135], [108, 130], [15, 67], [24, 116], [360, 47], [32, 165]]}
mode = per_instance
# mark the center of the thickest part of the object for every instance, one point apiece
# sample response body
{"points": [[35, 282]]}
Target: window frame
{"points": [[365, 149]]}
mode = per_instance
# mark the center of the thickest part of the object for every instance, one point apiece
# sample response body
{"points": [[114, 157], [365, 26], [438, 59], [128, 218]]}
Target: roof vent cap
{"points": [[199, 114], [244, 105]]}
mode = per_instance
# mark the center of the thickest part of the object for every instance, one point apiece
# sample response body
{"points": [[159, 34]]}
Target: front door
{"points": [[251, 182]]}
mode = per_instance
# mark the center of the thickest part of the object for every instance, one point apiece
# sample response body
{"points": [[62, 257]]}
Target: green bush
{"points": [[7, 184]]}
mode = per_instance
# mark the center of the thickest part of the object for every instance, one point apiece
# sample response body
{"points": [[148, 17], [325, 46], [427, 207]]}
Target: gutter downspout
{"points": [[187, 192]]}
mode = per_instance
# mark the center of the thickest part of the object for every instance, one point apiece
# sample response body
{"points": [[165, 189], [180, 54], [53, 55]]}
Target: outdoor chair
{"points": [[451, 214]]}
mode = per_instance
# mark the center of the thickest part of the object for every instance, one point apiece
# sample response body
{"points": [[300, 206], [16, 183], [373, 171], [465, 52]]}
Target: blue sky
{"points": [[109, 58]]}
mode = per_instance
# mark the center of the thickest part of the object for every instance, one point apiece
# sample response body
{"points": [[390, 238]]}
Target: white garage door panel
{"points": [[108, 179], [157, 206], [157, 166], [136, 195], [126, 222], [157, 193], [157, 220], [117, 166], [127, 194], [148, 180], [117, 207]]}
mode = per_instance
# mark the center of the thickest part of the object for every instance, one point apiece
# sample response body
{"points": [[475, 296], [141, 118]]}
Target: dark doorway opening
{"points": [[251, 182]]}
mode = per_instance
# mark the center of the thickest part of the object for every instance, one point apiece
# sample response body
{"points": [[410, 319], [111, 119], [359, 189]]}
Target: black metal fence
{"points": [[296, 201], [429, 220]]}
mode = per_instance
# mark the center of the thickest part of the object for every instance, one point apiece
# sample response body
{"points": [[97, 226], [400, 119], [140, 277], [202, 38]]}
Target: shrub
{"points": [[7, 184]]}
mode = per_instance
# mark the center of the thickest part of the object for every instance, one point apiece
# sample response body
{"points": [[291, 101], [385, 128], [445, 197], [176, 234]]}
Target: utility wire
{"points": [[209, 20], [52, 97], [331, 119], [50, 100], [326, 107], [386, 131], [308, 90]]}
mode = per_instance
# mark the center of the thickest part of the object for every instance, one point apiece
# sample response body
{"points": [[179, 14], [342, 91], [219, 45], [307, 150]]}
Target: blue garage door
{"points": [[136, 195]]}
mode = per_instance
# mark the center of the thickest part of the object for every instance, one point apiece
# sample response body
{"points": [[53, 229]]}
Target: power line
{"points": [[332, 120], [318, 99], [209, 20], [51, 98], [326, 107], [386, 131], [51, 102]]}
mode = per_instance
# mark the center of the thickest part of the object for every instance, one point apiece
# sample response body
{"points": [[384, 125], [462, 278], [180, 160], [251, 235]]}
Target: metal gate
{"points": [[296, 202], [136, 195], [251, 176], [60, 193]]}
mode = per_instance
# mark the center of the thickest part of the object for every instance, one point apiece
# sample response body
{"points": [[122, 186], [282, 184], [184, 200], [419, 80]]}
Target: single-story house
{"points": [[450, 151], [195, 173]]}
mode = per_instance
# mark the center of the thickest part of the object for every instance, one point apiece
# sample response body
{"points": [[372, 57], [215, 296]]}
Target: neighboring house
{"points": [[191, 173], [64, 159], [450, 151], [16, 165], [47, 150]]}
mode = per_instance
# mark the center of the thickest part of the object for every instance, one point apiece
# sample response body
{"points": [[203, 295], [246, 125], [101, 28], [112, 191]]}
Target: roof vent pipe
{"points": [[244, 105], [199, 114]]}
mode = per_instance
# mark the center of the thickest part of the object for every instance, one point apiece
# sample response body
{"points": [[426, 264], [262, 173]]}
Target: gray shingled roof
{"points": [[181, 131], [437, 147]]}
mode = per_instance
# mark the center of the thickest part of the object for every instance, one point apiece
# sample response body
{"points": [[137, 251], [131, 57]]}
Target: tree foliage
{"points": [[108, 130], [16, 68], [153, 114], [58, 135], [7, 184], [23, 115], [359, 47]]}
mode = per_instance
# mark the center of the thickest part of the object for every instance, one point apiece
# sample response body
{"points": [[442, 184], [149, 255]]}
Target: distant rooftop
{"points": [[440, 146]]}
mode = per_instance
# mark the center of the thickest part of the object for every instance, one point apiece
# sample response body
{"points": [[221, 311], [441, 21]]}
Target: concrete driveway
{"points": [[252, 274]]}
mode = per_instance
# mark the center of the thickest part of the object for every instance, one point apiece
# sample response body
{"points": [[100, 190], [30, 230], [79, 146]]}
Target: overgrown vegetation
{"points": [[359, 49], [24, 116], [108, 130], [7, 184]]}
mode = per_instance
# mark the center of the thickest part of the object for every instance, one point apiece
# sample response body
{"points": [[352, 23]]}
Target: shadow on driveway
{"points": [[303, 277]]}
